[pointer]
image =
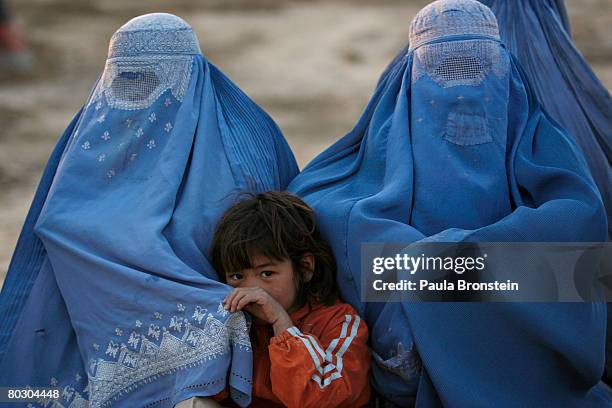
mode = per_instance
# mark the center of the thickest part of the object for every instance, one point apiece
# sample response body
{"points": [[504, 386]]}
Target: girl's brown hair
{"points": [[279, 226]]}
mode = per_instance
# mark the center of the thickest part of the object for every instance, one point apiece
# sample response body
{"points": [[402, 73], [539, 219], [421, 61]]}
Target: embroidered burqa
{"points": [[110, 295], [454, 147]]}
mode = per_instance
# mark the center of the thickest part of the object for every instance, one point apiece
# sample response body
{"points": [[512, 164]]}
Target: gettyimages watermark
{"points": [[486, 272]]}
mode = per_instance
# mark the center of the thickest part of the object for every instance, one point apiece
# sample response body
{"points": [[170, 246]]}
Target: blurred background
{"points": [[312, 65]]}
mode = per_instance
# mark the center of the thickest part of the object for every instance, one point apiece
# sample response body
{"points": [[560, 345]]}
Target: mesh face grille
{"points": [[460, 62], [132, 83], [460, 68], [134, 86]]}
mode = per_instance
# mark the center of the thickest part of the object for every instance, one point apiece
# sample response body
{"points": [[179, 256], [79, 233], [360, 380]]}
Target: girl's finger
{"points": [[236, 299], [246, 300], [228, 299]]}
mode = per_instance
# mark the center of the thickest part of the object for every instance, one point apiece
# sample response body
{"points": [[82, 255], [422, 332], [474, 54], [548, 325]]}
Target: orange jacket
{"points": [[322, 361]]}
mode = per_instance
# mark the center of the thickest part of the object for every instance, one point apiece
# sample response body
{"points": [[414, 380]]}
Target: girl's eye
{"points": [[235, 276], [266, 274]]}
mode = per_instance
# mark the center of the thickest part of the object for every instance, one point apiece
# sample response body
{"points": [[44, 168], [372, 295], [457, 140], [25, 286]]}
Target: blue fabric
{"points": [[432, 159], [562, 80], [110, 295], [567, 86]]}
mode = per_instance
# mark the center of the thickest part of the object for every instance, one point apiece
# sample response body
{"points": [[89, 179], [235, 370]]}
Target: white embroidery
{"points": [[101, 119], [157, 315], [151, 144], [132, 158], [154, 331], [137, 365], [67, 392], [77, 377], [167, 102], [105, 135], [221, 310], [110, 174], [168, 127], [101, 157], [128, 122], [112, 349], [134, 339], [139, 132], [176, 323], [138, 323], [180, 307], [98, 105], [96, 346], [53, 381], [152, 117], [198, 314], [119, 332], [86, 145]]}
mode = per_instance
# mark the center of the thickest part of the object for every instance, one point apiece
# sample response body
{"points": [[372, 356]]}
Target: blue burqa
{"points": [[110, 295], [454, 147], [561, 79], [537, 32]]}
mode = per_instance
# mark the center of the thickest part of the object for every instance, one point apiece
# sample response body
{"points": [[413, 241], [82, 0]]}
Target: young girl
{"points": [[309, 348]]}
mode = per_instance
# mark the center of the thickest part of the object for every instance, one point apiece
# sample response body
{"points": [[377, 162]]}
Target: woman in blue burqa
{"points": [[110, 295], [538, 33], [454, 147]]}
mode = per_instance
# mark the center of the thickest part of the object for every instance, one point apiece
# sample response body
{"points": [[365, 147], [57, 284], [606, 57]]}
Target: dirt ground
{"points": [[311, 64]]}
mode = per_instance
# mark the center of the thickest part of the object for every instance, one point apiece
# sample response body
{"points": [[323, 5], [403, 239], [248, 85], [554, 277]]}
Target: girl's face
{"points": [[275, 277]]}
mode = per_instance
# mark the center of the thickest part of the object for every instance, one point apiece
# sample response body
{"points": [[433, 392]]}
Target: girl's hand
{"points": [[260, 304]]}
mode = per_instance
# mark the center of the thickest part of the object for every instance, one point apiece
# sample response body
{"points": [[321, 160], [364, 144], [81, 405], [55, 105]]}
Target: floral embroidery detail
{"points": [[96, 346], [139, 132], [151, 144], [53, 381], [77, 377], [105, 135], [132, 158], [128, 122], [110, 174], [152, 117], [112, 349], [154, 331], [67, 392], [198, 314], [119, 332], [134, 339], [168, 127], [98, 105], [221, 310], [143, 358], [176, 323], [86, 145], [167, 102], [157, 315], [180, 307], [101, 119], [138, 323], [101, 157]]}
